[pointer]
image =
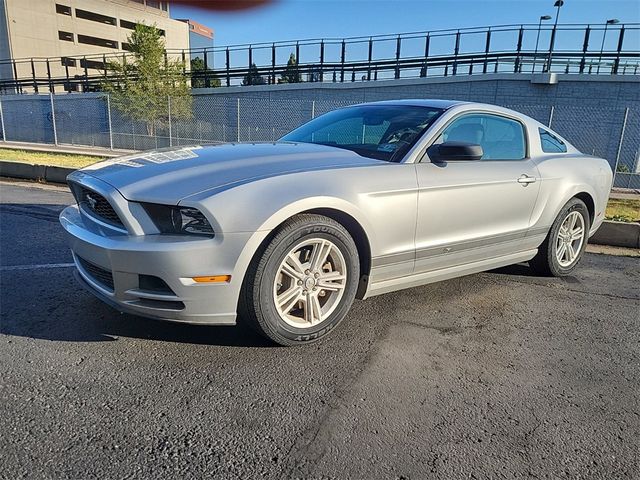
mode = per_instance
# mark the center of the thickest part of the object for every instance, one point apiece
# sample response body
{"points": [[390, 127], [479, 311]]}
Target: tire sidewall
{"points": [[266, 278], [573, 206]]}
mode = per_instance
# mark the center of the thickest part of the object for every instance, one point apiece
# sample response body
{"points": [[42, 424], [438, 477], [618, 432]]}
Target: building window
{"points": [[153, 4], [95, 17], [165, 6], [132, 26], [68, 62], [99, 42], [84, 63], [66, 36], [127, 24], [125, 46], [63, 9]]}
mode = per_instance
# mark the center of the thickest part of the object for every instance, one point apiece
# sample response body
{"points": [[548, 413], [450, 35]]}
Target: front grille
{"points": [[97, 274], [99, 205]]}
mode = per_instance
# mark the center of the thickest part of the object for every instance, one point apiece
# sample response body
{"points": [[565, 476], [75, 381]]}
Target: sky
{"points": [[301, 19]]}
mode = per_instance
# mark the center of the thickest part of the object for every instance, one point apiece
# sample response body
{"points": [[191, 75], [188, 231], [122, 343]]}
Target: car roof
{"points": [[420, 102]]}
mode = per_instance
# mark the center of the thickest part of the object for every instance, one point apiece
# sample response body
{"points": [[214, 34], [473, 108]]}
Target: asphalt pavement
{"points": [[496, 375]]}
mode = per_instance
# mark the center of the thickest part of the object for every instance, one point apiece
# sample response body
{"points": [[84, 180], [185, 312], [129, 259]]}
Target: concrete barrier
{"points": [[47, 173], [618, 234]]}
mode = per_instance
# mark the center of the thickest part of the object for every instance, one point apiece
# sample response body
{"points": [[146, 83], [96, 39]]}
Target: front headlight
{"points": [[178, 220]]}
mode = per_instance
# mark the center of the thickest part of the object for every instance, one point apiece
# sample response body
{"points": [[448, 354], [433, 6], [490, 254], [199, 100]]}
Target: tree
{"points": [[198, 73], [253, 76], [142, 83], [291, 73]]}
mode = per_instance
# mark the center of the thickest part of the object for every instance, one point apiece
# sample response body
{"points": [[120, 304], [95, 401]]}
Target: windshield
{"points": [[384, 132]]}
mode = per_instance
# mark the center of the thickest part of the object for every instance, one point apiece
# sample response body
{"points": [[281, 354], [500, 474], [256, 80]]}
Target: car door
{"points": [[475, 210]]}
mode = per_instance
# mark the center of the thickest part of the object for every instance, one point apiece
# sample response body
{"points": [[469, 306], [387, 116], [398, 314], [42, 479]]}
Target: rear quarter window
{"points": [[550, 143]]}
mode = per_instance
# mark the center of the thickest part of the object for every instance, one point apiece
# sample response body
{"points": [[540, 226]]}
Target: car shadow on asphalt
{"points": [[57, 309]]}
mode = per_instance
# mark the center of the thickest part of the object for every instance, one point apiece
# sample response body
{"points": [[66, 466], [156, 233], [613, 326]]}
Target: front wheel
{"points": [[567, 239], [303, 283]]}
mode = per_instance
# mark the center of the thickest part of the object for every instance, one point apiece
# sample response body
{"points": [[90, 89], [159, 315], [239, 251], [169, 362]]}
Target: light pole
{"points": [[535, 54], [611, 21], [558, 4]]}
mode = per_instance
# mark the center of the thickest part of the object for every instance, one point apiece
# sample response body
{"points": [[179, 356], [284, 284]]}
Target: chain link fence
{"points": [[91, 120]]}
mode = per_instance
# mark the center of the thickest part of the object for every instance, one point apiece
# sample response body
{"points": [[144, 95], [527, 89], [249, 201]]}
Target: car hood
{"points": [[169, 175]]}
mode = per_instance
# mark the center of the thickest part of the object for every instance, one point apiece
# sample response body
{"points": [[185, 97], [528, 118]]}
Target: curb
{"points": [[48, 173], [617, 234]]}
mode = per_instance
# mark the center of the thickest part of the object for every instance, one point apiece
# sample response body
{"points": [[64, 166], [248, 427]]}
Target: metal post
{"points": [[51, 88], [313, 109], [4, 135], [86, 74], [342, 55], [15, 76], [169, 111], [585, 47], [238, 119], [206, 68], [616, 62], [109, 121], [558, 4], [321, 61], [33, 76], [551, 44], [551, 116], [53, 120], [370, 58], [425, 68], [456, 49], [516, 67], [487, 48], [398, 46], [604, 37], [619, 150], [228, 73], [273, 63]]}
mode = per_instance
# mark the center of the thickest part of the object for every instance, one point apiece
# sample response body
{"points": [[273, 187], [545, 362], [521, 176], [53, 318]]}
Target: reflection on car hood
{"points": [[169, 175]]}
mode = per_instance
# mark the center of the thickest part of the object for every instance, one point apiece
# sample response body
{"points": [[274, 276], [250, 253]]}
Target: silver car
{"points": [[361, 201]]}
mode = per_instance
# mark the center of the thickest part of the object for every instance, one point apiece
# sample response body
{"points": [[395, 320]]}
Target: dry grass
{"points": [[623, 209], [45, 158]]}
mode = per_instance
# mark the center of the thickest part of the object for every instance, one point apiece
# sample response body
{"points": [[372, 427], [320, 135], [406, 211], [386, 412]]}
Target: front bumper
{"points": [[173, 259]]}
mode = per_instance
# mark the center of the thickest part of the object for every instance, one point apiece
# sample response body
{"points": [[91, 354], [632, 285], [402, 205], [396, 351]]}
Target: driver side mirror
{"points": [[455, 151]]}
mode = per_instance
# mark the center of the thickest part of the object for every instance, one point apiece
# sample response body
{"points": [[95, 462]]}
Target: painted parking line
{"points": [[35, 267]]}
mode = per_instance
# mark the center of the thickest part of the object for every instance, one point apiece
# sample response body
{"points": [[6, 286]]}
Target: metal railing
{"points": [[89, 119], [591, 49]]}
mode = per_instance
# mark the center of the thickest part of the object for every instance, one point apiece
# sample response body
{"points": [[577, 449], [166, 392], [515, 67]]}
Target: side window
{"points": [[500, 138], [550, 143]]}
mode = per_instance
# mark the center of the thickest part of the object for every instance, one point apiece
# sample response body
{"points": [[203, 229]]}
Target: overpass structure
{"points": [[567, 49]]}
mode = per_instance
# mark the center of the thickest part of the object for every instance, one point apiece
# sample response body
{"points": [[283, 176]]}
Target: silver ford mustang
{"points": [[358, 202]]}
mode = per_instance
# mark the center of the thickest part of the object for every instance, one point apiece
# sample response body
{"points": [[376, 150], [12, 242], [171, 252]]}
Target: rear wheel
{"points": [[563, 248], [303, 283]]}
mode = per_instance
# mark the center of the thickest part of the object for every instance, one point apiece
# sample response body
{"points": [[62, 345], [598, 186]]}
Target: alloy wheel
{"points": [[310, 283]]}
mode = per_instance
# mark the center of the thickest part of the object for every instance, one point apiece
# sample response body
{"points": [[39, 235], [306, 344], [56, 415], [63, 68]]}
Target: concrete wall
{"points": [[575, 104]]}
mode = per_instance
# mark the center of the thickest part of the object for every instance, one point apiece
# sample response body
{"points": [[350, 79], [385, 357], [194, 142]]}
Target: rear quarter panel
{"points": [[565, 176]]}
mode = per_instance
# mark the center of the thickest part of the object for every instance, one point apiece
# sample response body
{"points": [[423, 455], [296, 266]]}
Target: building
{"points": [[68, 30], [200, 37]]}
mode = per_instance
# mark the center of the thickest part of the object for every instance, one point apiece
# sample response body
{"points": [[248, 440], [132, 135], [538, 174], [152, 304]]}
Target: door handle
{"points": [[525, 179]]}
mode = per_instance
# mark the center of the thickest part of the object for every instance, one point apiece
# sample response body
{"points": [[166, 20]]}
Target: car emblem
{"points": [[92, 201]]}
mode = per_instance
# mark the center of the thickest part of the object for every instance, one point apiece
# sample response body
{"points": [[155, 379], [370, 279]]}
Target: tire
{"points": [[284, 278], [552, 259]]}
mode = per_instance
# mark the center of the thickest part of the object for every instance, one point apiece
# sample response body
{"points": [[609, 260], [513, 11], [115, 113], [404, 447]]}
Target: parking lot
{"points": [[501, 375]]}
